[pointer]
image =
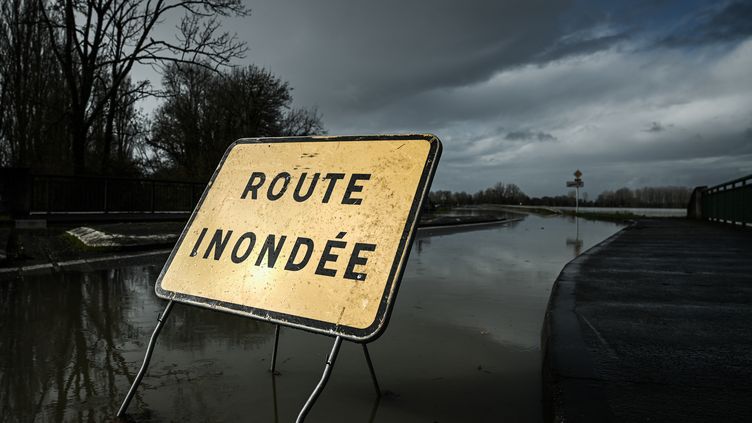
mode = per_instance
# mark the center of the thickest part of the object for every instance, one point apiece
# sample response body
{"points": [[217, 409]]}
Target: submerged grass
{"points": [[604, 216], [609, 216], [614, 216]]}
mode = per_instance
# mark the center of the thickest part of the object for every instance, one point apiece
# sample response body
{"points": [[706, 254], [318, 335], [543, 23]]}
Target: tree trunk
{"points": [[107, 139], [78, 145]]}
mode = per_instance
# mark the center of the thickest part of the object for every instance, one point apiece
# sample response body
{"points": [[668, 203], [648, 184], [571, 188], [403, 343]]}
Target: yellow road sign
{"points": [[310, 232]]}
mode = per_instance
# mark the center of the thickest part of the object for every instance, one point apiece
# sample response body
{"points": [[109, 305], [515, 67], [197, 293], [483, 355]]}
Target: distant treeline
{"points": [[661, 197], [501, 193]]}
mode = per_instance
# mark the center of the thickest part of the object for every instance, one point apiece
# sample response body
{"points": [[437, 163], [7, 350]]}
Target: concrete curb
{"points": [[124, 256], [466, 225], [81, 262], [572, 391]]}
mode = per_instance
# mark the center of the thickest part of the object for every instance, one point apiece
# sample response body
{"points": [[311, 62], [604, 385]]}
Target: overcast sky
{"points": [[633, 93]]}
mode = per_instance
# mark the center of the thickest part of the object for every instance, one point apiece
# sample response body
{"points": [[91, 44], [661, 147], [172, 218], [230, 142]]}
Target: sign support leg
{"points": [[324, 378], [273, 366], [274, 397], [370, 368], [149, 350]]}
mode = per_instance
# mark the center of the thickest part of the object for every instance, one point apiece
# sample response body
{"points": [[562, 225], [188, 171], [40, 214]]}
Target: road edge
{"points": [[33, 268], [572, 390]]}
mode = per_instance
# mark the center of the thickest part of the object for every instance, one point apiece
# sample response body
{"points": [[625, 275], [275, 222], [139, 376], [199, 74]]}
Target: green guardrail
{"points": [[729, 202]]}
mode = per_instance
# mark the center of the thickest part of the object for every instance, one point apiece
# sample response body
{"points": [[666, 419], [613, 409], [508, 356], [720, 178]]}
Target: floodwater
{"points": [[462, 344]]}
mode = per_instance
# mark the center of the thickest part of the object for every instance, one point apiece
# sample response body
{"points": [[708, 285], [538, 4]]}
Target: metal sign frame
{"points": [[395, 274], [339, 332]]}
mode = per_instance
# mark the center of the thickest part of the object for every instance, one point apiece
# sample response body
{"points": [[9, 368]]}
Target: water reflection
{"points": [[576, 242], [462, 343]]}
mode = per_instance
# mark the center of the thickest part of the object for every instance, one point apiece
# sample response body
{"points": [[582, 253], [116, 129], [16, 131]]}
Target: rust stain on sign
{"points": [[309, 232]]}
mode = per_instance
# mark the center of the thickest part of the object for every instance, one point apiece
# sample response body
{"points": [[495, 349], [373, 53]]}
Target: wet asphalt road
{"points": [[654, 325]]}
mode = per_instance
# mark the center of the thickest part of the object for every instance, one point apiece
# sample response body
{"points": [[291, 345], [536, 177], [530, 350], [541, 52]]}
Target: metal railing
{"points": [[729, 202], [56, 194]]}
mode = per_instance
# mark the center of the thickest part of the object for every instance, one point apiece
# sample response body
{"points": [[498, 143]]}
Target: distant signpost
{"points": [[309, 232], [577, 184]]}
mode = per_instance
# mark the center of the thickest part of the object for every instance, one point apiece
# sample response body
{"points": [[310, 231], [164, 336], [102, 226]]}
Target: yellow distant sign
{"points": [[309, 232]]}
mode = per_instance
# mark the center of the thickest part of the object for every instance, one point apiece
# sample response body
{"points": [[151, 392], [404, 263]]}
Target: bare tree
{"points": [[302, 122], [98, 42], [117, 132], [205, 111], [31, 88]]}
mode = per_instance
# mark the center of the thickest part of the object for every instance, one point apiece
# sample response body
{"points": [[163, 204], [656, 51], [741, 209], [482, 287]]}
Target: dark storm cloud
{"points": [[366, 55], [714, 23], [575, 47], [528, 135], [632, 92], [655, 127], [686, 147]]}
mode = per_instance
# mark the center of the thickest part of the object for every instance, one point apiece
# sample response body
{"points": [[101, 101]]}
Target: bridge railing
{"points": [[56, 194], [729, 202]]}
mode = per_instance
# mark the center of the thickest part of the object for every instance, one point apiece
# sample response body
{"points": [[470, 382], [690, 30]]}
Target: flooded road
{"points": [[462, 344]]}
